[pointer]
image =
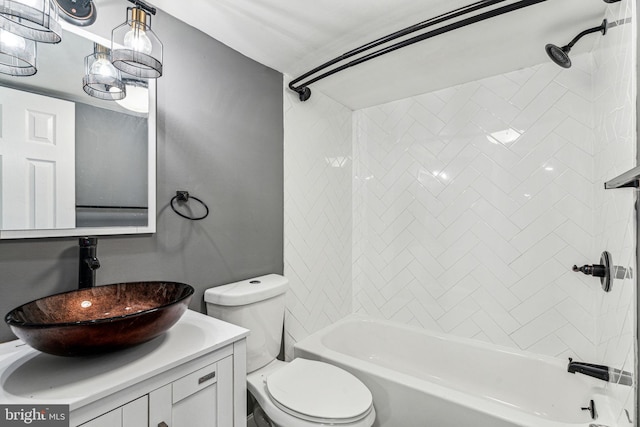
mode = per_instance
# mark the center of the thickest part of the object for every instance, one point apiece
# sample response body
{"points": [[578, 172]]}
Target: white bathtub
{"points": [[425, 379]]}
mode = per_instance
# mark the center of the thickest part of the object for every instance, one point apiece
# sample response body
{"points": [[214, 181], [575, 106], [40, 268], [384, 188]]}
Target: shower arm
{"points": [[601, 28], [304, 92]]}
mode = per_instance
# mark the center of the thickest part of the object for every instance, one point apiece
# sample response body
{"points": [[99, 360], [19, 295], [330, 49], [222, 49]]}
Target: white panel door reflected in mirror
{"points": [[37, 160]]}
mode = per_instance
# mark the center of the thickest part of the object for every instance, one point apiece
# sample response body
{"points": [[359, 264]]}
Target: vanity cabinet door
{"points": [[136, 413], [160, 407], [203, 398], [198, 409], [110, 419], [133, 414]]}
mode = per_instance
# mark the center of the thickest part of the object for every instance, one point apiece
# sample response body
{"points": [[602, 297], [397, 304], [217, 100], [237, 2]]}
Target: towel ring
{"points": [[183, 196]]}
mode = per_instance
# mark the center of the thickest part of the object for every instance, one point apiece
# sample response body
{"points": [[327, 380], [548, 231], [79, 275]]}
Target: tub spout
{"points": [[601, 372]]}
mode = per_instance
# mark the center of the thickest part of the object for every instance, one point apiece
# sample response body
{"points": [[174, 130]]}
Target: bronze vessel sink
{"points": [[101, 319]]}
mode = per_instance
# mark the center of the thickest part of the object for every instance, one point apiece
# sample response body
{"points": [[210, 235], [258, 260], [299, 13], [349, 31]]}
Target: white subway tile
{"points": [[540, 327]]}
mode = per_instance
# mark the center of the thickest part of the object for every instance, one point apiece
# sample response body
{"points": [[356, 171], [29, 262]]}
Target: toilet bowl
{"points": [[305, 393], [300, 393]]}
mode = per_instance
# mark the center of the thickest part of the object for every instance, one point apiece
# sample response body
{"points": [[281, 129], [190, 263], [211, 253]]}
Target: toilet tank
{"points": [[258, 305]]}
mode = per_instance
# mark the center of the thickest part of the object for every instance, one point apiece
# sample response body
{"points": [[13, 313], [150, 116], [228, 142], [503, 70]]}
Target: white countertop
{"points": [[30, 376]]}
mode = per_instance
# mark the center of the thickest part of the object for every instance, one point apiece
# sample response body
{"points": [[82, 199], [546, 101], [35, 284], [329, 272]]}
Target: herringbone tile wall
{"points": [[317, 206], [472, 203], [614, 83]]}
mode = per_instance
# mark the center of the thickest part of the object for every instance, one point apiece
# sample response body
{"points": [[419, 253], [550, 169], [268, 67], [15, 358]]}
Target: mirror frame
{"points": [[151, 177]]}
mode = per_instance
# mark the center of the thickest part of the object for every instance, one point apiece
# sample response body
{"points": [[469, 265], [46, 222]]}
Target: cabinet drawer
{"points": [[194, 382]]}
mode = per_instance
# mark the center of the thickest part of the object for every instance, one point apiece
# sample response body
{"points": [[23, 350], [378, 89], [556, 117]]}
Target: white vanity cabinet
{"points": [[196, 394], [192, 376]]}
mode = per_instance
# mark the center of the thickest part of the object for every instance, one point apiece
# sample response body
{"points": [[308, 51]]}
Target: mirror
{"points": [[71, 164]]}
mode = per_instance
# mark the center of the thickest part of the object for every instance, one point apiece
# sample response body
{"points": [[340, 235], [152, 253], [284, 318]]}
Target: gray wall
{"points": [[107, 140], [220, 137]]}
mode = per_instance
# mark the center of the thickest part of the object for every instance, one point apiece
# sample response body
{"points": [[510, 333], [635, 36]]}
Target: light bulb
{"points": [[136, 39], [103, 67], [11, 40]]}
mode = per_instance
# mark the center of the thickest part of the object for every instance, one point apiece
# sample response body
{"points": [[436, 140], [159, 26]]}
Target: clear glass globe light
{"points": [[137, 40], [104, 67]]}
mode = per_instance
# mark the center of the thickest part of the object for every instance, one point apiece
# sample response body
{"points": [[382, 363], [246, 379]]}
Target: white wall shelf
{"points": [[630, 178]]}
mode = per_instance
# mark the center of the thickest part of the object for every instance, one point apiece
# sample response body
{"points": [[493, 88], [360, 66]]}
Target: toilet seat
{"points": [[319, 392], [292, 415]]}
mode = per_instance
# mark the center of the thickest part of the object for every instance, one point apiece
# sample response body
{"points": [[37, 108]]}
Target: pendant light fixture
{"points": [[135, 49], [17, 55], [32, 19], [102, 80]]}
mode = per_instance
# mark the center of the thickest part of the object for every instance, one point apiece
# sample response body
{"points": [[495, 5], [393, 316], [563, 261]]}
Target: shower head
{"points": [[560, 55]]}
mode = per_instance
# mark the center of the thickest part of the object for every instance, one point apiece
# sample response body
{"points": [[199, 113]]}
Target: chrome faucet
{"points": [[89, 262], [601, 372]]}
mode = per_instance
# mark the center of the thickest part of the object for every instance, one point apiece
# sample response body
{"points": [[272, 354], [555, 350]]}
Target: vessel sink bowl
{"points": [[101, 319]]}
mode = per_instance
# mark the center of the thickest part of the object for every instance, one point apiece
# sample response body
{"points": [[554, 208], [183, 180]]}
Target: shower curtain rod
{"points": [[405, 31], [304, 93]]}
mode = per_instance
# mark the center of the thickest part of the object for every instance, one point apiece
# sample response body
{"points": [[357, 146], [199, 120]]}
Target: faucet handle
{"points": [[93, 263], [602, 270], [596, 270]]}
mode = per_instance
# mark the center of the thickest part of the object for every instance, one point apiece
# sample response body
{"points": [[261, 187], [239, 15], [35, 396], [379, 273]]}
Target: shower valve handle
{"points": [[602, 270], [596, 270]]}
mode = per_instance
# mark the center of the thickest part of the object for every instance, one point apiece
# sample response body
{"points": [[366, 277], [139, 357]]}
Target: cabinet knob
{"points": [[162, 424]]}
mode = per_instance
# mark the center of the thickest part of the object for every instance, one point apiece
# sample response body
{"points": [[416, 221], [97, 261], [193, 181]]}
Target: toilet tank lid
{"points": [[247, 291]]}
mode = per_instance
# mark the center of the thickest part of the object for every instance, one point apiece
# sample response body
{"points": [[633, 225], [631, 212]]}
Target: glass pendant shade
{"points": [[140, 54], [17, 55], [137, 99], [102, 80], [36, 20]]}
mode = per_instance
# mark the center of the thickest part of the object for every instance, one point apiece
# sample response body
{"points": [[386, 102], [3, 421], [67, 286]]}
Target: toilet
{"points": [[300, 393]]}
